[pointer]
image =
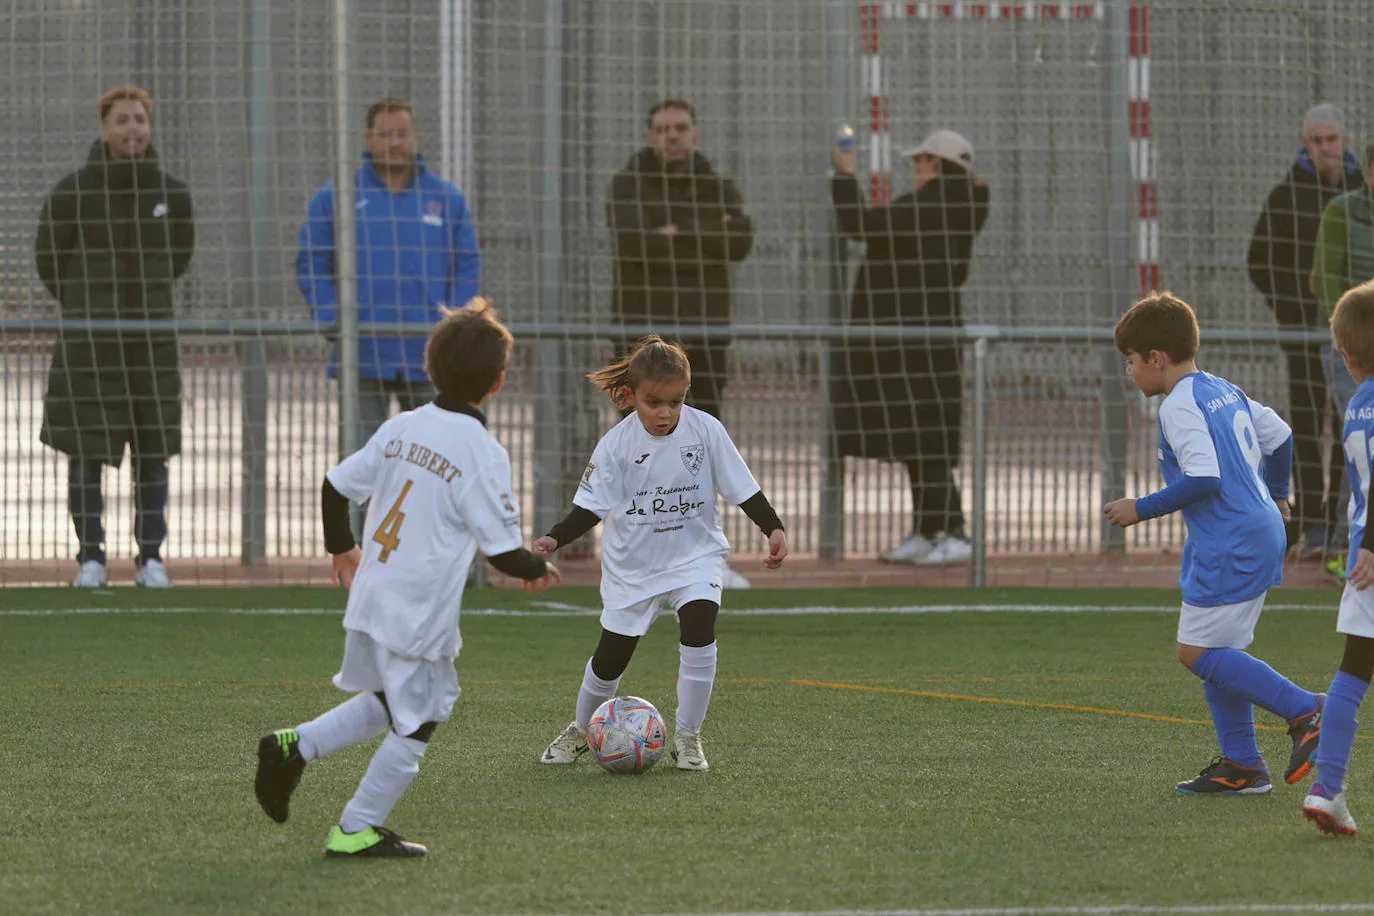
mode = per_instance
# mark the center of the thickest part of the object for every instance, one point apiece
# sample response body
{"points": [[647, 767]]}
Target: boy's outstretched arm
{"points": [[338, 535], [1182, 492]]}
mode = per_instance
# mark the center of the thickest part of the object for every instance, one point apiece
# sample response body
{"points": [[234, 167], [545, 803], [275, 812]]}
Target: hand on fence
{"points": [[1285, 510], [843, 161], [544, 546], [777, 549], [1121, 512], [346, 566], [1362, 576], [551, 577]]}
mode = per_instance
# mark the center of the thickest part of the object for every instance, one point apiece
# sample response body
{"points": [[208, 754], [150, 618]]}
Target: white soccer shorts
{"points": [[636, 619], [1357, 612], [417, 691], [1226, 626]]}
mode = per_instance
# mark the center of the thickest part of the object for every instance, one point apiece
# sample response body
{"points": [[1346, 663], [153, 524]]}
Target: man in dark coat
{"points": [[113, 237], [903, 400], [1280, 260], [676, 226]]}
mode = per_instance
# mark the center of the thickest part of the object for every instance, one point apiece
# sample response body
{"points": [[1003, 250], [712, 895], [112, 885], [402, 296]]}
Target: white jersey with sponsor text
{"points": [[440, 488], [656, 496]]}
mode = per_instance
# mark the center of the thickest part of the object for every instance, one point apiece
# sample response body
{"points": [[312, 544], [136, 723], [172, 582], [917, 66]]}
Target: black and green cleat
{"points": [[279, 770], [371, 843]]}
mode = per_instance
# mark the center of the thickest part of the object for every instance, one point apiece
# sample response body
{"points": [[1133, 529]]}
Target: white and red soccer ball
{"points": [[626, 735]]}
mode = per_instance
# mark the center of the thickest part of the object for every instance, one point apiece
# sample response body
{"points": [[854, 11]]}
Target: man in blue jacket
{"points": [[416, 251]]}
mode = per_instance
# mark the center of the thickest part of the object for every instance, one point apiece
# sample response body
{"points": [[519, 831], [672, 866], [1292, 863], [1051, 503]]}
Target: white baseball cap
{"points": [[944, 144]]}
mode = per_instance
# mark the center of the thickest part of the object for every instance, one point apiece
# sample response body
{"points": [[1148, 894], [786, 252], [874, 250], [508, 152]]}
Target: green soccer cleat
{"points": [[279, 771], [370, 843]]}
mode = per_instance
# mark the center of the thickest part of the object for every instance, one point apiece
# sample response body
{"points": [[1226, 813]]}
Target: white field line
{"points": [[557, 609], [1106, 910]]}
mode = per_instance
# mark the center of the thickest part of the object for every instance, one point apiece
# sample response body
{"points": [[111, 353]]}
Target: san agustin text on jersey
{"points": [[423, 457]]}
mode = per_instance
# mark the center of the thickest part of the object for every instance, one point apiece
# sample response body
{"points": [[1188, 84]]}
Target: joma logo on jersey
{"points": [[692, 456]]}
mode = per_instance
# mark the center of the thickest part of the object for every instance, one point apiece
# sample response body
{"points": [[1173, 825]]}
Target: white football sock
{"points": [[594, 692], [696, 673], [388, 775], [351, 722]]}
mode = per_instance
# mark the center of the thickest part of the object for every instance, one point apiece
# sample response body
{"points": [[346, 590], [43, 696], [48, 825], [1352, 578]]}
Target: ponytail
{"points": [[651, 359]]}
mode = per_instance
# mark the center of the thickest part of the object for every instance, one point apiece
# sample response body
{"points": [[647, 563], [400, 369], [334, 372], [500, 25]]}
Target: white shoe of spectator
{"points": [[732, 579], [910, 550], [152, 574], [91, 575], [948, 549]]}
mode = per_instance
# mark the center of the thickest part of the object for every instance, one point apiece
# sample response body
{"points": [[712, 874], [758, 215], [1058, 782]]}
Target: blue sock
{"points": [[1234, 719], [1243, 674], [1338, 731]]}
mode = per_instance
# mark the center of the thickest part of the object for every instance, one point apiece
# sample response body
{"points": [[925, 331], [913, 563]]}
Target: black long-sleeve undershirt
{"points": [[579, 521], [519, 563]]}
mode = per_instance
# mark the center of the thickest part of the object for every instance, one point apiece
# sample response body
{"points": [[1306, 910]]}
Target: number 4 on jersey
{"points": [[388, 533]]}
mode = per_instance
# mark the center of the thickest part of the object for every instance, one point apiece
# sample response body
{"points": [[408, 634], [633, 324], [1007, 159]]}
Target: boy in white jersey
{"points": [[1226, 461], [654, 479], [1352, 334], [440, 489]]}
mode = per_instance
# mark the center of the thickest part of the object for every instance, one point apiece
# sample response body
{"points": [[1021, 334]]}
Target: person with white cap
{"points": [[1280, 261], [901, 400]]}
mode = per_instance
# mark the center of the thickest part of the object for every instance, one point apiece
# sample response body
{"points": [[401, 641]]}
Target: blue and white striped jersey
{"points": [[1209, 428], [1358, 436]]}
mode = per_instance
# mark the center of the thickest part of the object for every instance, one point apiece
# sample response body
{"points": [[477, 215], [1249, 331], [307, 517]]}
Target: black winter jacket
{"points": [[113, 237]]}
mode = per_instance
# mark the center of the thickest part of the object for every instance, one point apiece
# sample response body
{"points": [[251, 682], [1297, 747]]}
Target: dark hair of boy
{"points": [[1352, 325], [678, 104], [467, 351], [1160, 321], [651, 358]]}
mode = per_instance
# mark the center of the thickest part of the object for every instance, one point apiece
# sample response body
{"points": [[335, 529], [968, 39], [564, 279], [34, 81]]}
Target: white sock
{"points": [[351, 722], [696, 673], [388, 775], [594, 692]]}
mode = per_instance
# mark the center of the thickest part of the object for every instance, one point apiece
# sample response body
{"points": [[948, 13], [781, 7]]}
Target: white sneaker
{"points": [[91, 575], [1329, 814], [152, 574], [910, 550], [687, 751], [731, 579], [948, 549], [567, 747]]}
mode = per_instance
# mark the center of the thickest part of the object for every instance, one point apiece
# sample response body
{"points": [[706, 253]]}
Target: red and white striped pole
{"points": [[879, 132], [1142, 155]]}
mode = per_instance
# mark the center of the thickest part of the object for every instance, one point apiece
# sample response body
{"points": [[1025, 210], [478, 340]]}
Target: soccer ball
{"points": [[626, 735]]}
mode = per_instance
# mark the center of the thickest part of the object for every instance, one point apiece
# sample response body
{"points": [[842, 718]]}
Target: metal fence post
{"points": [[549, 419], [253, 350], [345, 233], [1116, 258], [830, 534], [978, 568]]}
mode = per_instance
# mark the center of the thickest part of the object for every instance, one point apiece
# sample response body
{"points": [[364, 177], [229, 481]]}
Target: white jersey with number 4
{"points": [[657, 498], [440, 488]]}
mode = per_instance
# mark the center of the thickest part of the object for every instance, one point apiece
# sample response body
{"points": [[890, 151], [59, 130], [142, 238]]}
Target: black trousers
{"points": [[86, 501], [1309, 406]]}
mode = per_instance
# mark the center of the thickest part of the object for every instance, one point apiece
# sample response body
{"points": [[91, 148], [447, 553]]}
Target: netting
{"points": [[1121, 144]]}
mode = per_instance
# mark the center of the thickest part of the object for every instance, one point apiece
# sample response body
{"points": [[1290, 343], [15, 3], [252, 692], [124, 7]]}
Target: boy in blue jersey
{"points": [[1226, 461], [1352, 333]]}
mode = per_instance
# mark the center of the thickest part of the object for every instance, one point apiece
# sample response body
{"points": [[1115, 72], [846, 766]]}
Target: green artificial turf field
{"points": [[861, 761]]}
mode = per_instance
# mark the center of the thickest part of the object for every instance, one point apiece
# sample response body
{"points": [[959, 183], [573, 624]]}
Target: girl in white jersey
{"points": [[653, 479]]}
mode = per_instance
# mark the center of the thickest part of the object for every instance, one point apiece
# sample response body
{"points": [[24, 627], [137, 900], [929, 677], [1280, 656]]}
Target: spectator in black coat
{"points": [[903, 400], [676, 227], [1280, 260], [113, 238]]}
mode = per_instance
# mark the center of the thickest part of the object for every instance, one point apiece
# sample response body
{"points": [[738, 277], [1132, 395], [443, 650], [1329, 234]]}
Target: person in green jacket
{"points": [[1343, 258], [113, 238]]}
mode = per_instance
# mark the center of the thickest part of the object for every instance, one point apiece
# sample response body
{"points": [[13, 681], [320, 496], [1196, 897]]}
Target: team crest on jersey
{"points": [[587, 474], [506, 502], [434, 214], [692, 456]]}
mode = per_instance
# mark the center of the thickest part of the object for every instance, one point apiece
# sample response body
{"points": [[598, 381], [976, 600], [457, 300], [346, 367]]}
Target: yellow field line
{"points": [[1031, 704]]}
